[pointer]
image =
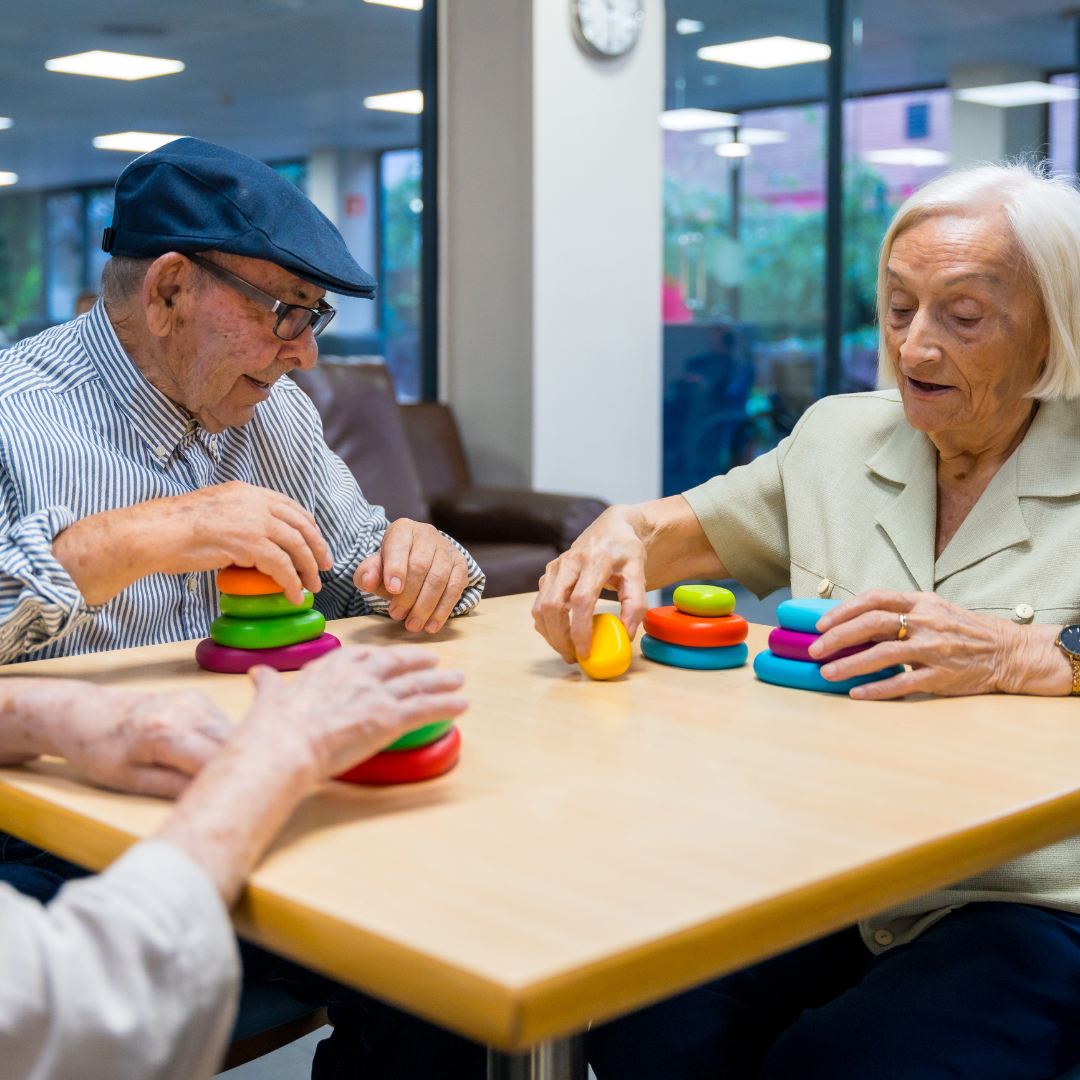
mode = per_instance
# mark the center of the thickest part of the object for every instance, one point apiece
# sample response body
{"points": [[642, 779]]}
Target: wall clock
{"points": [[606, 29]]}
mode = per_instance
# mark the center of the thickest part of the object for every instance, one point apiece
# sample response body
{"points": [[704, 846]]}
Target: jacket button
{"points": [[1024, 613], [825, 587], [883, 937]]}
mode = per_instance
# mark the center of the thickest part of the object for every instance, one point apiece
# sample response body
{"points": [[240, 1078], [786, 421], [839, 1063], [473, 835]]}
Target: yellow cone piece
{"points": [[611, 653]]}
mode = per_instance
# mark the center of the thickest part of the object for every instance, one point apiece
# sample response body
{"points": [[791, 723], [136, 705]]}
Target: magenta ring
{"points": [[214, 657], [793, 645]]}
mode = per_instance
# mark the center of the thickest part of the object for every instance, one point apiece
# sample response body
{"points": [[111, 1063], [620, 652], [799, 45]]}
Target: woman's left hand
{"points": [[950, 651]]}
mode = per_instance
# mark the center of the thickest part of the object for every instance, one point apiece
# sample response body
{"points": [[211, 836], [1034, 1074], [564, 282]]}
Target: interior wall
{"points": [[550, 231], [597, 262], [986, 133]]}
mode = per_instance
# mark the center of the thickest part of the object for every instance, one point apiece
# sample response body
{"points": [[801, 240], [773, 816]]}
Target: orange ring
{"points": [[698, 631], [246, 581]]}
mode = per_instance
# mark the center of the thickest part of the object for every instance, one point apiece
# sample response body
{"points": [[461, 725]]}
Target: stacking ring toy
{"points": [[214, 657], [685, 656], [802, 615], [676, 627], [707, 600], [262, 607], [246, 581], [792, 645], [267, 633], [421, 736], [803, 676], [611, 653], [407, 766]]}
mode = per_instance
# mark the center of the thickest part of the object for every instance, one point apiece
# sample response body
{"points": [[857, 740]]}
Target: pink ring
{"points": [[214, 657], [793, 645]]}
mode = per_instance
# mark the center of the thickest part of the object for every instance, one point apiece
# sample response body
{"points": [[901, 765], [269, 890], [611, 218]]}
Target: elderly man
{"points": [[154, 440]]}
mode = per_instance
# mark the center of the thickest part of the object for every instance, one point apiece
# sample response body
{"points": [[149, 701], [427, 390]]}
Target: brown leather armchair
{"points": [[410, 459]]}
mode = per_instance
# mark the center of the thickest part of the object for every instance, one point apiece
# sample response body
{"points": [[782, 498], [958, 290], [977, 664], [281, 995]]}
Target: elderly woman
{"points": [[945, 514]]}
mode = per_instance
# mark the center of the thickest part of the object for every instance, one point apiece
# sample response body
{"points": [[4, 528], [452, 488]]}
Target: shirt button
{"points": [[1024, 613], [160, 451], [883, 937], [192, 583], [825, 587]]}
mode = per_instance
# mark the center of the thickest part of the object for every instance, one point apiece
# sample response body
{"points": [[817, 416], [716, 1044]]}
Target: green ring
{"points": [[422, 736], [709, 601], [267, 633], [262, 607]]}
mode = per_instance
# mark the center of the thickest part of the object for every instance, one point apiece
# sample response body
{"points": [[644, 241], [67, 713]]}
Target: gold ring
{"points": [[902, 632]]}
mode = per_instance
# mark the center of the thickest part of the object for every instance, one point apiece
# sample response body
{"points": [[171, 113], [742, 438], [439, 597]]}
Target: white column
{"points": [[551, 219], [986, 133]]}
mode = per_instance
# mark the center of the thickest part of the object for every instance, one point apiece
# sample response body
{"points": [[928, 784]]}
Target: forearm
{"points": [[105, 553], [1033, 664], [232, 810], [675, 544]]}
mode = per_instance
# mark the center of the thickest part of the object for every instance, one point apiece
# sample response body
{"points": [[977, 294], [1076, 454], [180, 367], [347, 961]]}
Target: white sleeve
{"points": [[132, 974]]}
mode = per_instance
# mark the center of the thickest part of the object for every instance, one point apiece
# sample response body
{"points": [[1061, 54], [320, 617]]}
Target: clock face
{"points": [[607, 28]]}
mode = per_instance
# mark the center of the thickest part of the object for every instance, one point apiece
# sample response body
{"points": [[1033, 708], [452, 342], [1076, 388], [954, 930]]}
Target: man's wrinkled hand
{"points": [[420, 571]]}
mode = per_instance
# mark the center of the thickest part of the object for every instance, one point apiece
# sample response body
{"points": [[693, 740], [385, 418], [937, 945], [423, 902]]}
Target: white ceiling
{"points": [[270, 77]]}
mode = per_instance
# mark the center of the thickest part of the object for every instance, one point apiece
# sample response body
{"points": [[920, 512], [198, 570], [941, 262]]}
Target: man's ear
{"points": [[170, 277]]}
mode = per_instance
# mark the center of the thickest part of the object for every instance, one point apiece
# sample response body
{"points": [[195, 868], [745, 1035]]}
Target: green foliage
{"points": [[21, 293], [401, 251]]}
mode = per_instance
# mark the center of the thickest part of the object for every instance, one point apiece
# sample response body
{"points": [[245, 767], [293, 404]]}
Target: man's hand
{"points": [[150, 744], [203, 530], [419, 571]]}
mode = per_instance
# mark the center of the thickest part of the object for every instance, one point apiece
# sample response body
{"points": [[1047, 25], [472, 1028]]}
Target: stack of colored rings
{"points": [[258, 625], [787, 661], [423, 754], [701, 631]]}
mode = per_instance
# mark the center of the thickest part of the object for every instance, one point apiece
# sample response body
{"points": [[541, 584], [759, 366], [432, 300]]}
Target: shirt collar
{"points": [[161, 423]]}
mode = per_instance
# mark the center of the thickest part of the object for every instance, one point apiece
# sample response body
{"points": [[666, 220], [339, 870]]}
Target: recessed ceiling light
{"points": [[762, 136], [407, 101], [5, 122], [8, 178], [908, 155], [696, 119], [409, 5], [141, 142], [688, 26], [1006, 95], [767, 52], [114, 65], [733, 149]]}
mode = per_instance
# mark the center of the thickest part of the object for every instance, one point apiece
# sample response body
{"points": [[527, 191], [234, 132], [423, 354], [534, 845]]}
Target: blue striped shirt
{"points": [[83, 431]]}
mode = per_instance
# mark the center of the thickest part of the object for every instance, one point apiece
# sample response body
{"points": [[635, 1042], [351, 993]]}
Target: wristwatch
{"points": [[1068, 641]]}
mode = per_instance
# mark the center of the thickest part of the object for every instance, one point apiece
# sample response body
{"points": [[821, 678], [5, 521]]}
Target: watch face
{"points": [[607, 28], [1070, 639]]}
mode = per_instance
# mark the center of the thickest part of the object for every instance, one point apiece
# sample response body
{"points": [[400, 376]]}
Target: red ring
{"points": [[407, 766], [676, 627]]}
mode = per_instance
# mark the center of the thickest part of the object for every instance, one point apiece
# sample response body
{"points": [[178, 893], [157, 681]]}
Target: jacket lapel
{"points": [[909, 459]]}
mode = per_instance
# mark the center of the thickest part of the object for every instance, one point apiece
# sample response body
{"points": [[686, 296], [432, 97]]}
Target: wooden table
{"points": [[602, 845]]}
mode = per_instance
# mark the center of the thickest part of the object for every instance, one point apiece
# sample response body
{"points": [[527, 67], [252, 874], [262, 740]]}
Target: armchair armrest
{"points": [[513, 515]]}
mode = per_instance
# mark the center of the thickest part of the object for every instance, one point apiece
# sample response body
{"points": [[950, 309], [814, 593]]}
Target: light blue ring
{"points": [[802, 675], [712, 658], [802, 615]]}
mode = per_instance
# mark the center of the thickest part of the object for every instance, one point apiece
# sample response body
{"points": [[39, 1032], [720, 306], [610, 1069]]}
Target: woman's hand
{"points": [[951, 651], [627, 549]]}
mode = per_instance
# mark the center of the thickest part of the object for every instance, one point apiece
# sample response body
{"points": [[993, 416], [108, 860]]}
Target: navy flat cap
{"points": [[191, 195]]}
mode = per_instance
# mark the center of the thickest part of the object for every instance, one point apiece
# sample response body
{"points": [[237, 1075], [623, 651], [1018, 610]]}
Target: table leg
{"points": [[559, 1059]]}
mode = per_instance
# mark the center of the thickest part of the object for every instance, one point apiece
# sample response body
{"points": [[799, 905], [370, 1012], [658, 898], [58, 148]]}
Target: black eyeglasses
{"points": [[293, 319]]}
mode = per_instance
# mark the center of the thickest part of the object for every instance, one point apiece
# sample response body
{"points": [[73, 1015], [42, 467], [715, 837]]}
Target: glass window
{"points": [[323, 121]]}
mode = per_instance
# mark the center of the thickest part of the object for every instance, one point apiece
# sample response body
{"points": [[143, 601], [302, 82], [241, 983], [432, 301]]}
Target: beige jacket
{"points": [[851, 496]]}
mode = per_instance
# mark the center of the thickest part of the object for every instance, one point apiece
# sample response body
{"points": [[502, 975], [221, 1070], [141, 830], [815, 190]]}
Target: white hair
{"points": [[1044, 213]]}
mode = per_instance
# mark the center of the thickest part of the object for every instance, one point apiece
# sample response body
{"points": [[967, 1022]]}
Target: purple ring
{"points": [[793, 645], [214, 657]]}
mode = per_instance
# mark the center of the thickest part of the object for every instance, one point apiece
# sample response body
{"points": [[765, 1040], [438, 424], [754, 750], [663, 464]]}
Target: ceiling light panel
{"points": [[919, 156], [5, 122], [688, 26], [733, 150], [112, 65], [1008, 95], [696, 119], [409, 5], [8, 178], [406, 101], [770, 52], [141, 142]]}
